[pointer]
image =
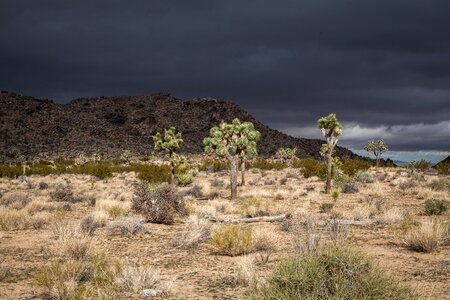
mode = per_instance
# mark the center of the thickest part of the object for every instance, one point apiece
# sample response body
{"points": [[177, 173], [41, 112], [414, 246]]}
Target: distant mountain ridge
{"points": [[110, 125]]}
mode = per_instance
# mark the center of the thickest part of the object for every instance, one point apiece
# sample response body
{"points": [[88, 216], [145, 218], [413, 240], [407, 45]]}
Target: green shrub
{"points": [[350, 167], [232, 240], [159, 204], [213, 165], [436, 207], [336, 193], [421, 165], [332, 272], [264, 164], [154, 173], [364, 177], [115, 211], [311, 167], [443, 168], [184, 179]]}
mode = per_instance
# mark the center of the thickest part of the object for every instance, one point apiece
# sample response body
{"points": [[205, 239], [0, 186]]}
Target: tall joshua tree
{"points": [[235, 142], [169, 144], [377, 148], [331, 130]]}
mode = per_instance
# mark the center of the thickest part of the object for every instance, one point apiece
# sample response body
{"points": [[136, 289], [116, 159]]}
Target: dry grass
{"points": [[195, 232], [40, 219], [16, 199], [265, 240], [12, 219], [391, 216], [136, 278], [427, 238], [72, 243], [256, 207]]}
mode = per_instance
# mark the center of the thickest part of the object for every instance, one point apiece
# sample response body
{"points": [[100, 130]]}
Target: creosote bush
{"points": [[159, 204], [332, 272], [232, 240], [311, 167], [436, 207]]}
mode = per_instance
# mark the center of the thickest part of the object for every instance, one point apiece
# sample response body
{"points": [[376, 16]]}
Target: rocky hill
{"points": [[444, 161], [109, 125]]}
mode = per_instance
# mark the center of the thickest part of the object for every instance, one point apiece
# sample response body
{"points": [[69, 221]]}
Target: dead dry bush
{"points": [[427, 238], [127, 225], [159, 204], [195, 232], [16, 200], [64, 192]]}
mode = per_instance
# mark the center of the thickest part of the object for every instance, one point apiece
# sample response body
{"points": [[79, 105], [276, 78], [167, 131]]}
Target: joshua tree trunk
{"points": [[233, 176], [172, 171], [243, 172], [378, 160], [328, 184]]}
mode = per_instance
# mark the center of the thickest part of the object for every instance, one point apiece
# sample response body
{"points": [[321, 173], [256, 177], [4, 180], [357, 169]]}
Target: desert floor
{"points": [[201, 272]]}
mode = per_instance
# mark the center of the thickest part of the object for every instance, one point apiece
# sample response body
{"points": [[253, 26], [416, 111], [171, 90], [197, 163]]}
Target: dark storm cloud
{"points": [[379, 65]]}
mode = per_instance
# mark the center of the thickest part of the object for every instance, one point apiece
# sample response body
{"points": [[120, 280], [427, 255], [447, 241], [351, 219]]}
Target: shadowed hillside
{"points": [[109, 125]]}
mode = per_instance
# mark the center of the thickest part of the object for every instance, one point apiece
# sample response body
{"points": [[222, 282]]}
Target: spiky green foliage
{"points": [[377, 148], [169, 144], [286, 153], [234, 141], [331, 130]]}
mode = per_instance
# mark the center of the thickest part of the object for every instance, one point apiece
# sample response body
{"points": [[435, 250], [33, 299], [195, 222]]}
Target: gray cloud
{"points": [[377, 64]]}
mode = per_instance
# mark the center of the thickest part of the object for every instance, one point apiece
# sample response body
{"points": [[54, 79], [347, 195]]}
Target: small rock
{"points": [[147, 293]]}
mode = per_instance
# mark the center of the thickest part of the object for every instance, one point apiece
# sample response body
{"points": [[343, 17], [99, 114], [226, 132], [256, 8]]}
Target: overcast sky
{"points": [[383, 66]]}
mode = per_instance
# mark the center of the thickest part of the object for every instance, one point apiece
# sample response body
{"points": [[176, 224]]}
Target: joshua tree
{"points": [[377, 148], [169, 145], [331, 130], [233, 141], [286, 154], [125, 156]]}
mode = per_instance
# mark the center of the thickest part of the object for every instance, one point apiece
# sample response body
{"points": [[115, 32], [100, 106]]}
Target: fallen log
{"points": [[351, 222], [279, 218]]}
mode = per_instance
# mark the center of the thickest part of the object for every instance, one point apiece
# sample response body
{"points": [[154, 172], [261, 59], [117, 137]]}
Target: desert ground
{"points": [[180, 261]]}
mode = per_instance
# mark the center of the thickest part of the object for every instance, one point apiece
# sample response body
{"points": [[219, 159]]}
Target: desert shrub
{"points": [[333, 272], [232, 240], [441, 184], [436, 207], [98, 169], [195, 232], [255, 207], [407, 184], [364, 177], [326, 207], [159, 204], [426, 238], [127, 225], [443, 168], [337, 231], [16, 200], [217, 183], [283, 181], [12, 219], [43, 185], [421, 165], [93, 221], [265, 240], [64, 192], [154, 173], [196, 191], [306, 233], [311, 167], [265, 164], [349, 188], [115, 211], [184, 179], [352, 166], [213, 165], [336, 193]]}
